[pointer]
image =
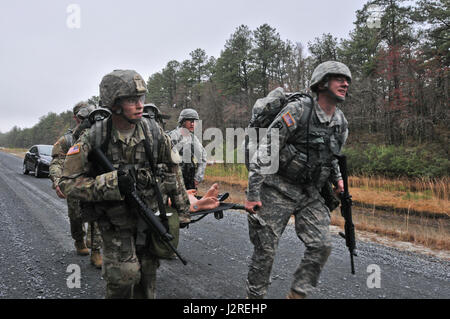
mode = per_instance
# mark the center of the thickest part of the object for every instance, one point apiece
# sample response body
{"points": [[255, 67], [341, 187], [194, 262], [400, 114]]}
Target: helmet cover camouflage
{"points": [[120, 83], [78, 106], [188, 114], [327, 68], [84, 111]]}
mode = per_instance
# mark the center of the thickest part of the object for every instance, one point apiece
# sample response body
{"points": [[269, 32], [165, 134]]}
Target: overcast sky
{"points": [[45, 66]]}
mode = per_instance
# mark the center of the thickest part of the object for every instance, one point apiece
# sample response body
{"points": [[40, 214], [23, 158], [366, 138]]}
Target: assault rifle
{"points": [[346, 212], [145, 212]]}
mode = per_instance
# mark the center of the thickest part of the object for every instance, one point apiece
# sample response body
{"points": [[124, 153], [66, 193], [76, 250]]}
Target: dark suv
{"points": [[37, 160]]}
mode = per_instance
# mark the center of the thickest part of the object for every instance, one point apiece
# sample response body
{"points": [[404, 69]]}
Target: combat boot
{"points": [[81, 248], [96, 259], [295, 295]]}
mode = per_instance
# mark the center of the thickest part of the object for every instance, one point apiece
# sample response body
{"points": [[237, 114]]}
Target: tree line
{"points": [[398, 53]]}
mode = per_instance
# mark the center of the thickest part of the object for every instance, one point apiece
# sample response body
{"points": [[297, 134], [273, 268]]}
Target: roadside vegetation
{"points": [[415, 209]]}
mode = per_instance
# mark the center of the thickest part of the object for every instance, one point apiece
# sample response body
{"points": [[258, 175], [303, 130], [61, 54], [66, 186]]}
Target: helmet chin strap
{"points": [[120, 113], [339, 99]]}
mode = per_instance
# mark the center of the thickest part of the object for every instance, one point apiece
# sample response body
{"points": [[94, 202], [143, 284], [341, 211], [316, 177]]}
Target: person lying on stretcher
{"points": [[208, 201]]}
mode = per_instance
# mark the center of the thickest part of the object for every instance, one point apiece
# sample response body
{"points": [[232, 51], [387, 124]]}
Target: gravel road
{"points": [[36, 254]]}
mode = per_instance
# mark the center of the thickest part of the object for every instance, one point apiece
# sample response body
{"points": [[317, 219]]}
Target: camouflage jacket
{"points": [[127, 154], [60, 149], [327, 137], [183, 145]]}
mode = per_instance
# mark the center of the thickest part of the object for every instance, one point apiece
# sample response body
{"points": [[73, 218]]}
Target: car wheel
{"points": [[24, 168], [37, 172]]}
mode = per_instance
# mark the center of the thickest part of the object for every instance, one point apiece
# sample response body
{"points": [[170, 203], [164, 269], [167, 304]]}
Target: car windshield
{"points": [[45, 150]]}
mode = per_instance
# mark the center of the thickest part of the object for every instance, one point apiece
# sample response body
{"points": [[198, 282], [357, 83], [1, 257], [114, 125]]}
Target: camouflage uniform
{"points": [[289, 192], [192, 145], [129, 268], [59, 152]]}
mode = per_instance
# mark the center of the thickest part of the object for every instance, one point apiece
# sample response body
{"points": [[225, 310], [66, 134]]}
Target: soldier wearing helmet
{"points": [[311, 132], [189, 147], [152, 112], [81, 112], [136, 149]]}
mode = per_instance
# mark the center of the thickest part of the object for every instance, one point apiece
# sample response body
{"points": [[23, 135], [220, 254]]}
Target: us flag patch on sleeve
{"points": [[74, 150], [288, 119]]}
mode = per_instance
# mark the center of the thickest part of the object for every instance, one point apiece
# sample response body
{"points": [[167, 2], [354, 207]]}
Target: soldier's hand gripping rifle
{"points": [[143, 210], [346, 212]]}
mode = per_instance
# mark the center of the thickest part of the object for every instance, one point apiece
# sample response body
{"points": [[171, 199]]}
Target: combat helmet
{"points": [[328, 68], [84, 111], [78, 106], [187, 114], [118, 84]]}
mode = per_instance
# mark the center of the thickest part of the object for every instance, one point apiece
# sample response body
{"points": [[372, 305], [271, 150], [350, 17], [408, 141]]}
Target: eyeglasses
{"points": [[133, 99]]}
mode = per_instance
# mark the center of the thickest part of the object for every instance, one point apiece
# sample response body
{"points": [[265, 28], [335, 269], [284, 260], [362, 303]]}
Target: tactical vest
{"points": [[188, 169], [100, 134], [141, 167], [307, 155]]}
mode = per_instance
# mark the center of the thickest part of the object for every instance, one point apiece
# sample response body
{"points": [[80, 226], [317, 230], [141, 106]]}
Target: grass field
{"points": [[416, 211]]}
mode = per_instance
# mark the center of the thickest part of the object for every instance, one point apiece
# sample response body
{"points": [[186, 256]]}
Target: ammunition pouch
{"points": [[294, 166], [155, 244]]}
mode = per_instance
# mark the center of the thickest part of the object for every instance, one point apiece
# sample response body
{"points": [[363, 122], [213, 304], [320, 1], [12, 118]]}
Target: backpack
{"points": [[265, 110]]}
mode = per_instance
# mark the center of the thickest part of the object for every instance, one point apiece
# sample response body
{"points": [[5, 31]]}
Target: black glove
{"points": [[126, 183]]}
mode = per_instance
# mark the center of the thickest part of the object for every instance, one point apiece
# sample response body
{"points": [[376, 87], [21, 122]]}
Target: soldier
{"points": [[129, 267], [80, 112], [189, 147], [309, 137], [151, 111]]}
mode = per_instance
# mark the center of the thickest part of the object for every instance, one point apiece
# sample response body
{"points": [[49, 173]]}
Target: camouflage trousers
{"points": [[77, 227], [312, 220], [129, 271]]}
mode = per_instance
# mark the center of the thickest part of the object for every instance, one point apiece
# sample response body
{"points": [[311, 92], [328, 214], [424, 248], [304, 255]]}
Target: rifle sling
{"points": [[149, 154]]}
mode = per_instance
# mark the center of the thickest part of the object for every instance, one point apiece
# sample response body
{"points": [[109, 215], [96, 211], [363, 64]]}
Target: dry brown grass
{"points": [[19, 152], [425, 187], [418, 232], [400, 201], [429, 196]]}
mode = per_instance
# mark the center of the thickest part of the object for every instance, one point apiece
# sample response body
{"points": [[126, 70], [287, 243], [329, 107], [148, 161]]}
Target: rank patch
{"points": [[288, 119], [74, 150]]}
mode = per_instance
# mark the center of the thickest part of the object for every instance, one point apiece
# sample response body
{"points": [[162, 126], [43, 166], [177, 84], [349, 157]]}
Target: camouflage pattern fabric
{"points": [[77, 229], [182, 144], [59, 152], [282, 196], [290, 128], [120, 83], [280, 200], [328, 67], [129, 269], [76, 224]]}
